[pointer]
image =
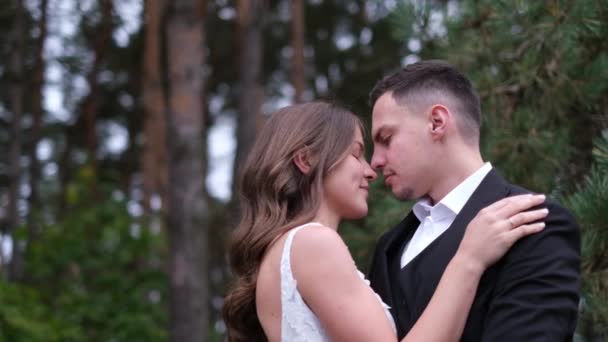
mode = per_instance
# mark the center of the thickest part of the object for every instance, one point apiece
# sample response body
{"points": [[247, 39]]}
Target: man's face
{"points": [[403, 148]]}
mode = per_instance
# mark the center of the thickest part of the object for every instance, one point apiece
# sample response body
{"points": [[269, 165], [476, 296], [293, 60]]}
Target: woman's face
{"points": [[346, 186]]}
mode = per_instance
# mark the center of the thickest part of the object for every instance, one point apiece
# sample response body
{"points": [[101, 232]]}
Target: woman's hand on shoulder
{"points": [[330, 285], [498, 226]]}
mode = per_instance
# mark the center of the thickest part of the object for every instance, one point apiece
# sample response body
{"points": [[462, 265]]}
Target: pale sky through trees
{"points": [[63, 24]]}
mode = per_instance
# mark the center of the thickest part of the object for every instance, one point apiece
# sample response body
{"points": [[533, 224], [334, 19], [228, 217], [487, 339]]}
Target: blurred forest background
{"points": [[122, 123]]}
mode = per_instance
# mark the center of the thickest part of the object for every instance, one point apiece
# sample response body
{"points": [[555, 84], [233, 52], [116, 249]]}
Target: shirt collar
{"points": [[454, 201], [422, 208]]}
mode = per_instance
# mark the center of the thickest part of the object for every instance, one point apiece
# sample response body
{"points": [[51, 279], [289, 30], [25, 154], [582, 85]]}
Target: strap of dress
{"points": [[298, 322], [286, 273]]}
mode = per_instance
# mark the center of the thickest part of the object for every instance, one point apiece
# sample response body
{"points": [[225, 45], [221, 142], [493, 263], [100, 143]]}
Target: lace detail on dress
{"points": [[298, 322], [386, 308]]}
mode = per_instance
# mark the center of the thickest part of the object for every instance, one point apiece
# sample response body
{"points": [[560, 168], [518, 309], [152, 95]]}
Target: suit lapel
{"points": [[491, 189], [419, 279], [390, 248], [400, 232]]}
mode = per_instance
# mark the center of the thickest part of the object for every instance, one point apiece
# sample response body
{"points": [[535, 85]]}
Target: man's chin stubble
{"points": [[405, 195]]}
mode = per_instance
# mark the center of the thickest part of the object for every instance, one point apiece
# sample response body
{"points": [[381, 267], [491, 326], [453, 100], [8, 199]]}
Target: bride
{"points": [[295, 279]]}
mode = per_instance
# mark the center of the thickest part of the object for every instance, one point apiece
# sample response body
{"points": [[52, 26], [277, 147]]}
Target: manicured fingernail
{"points": [[541, 225], [541, 196], [545, 211]]}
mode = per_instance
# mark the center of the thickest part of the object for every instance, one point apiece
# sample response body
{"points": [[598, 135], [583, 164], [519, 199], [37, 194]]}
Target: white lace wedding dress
{"points": [[298, 322]]}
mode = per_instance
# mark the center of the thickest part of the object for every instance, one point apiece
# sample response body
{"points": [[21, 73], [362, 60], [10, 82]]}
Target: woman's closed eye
{"points": [[358, 151]]}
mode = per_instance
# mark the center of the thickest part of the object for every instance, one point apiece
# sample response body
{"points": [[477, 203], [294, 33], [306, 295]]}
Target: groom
{"points": [[425, 126]]}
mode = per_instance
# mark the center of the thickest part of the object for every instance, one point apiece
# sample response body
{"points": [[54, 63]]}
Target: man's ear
{"points": [[302, 159], [439, 119]]}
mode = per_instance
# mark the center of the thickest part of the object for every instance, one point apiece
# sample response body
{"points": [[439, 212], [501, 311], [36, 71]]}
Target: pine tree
{"points": [[590, 205]]}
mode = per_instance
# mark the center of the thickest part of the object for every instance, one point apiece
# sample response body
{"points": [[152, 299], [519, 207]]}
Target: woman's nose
{"points": [[370, 174]]}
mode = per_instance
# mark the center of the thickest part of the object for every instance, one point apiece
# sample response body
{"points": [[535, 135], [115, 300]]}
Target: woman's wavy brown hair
{"points": [[276, 197]]}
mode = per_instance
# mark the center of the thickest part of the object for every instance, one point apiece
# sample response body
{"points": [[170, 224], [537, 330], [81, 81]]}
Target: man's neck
{"points": [[454, 172]]}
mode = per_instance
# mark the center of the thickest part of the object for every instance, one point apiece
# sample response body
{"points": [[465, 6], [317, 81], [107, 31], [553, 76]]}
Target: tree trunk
{"points": [[154, 152], [37, 115], [130, 160], [297, 34], [187, 208], [250, 25], [16, 96], [91, 103], [65, 171]]}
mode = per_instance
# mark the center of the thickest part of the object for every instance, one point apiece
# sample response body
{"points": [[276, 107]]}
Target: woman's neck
{"points": [[327, 218]]}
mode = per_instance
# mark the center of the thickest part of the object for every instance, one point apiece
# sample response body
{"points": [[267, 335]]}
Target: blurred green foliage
{"points": [[590, 205], [95, 275], [23, 317]]}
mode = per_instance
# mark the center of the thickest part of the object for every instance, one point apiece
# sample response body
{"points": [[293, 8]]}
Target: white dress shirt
{"points": [[435, 220]]}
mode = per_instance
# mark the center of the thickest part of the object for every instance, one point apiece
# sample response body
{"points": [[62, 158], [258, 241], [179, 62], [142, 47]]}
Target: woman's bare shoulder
{"points": [[319, 246]]}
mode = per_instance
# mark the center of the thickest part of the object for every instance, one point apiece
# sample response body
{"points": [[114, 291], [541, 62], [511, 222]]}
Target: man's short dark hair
{"points": [[438, 80]]}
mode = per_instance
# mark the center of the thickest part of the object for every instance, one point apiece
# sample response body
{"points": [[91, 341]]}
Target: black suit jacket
{"points": [[531, 294]]}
